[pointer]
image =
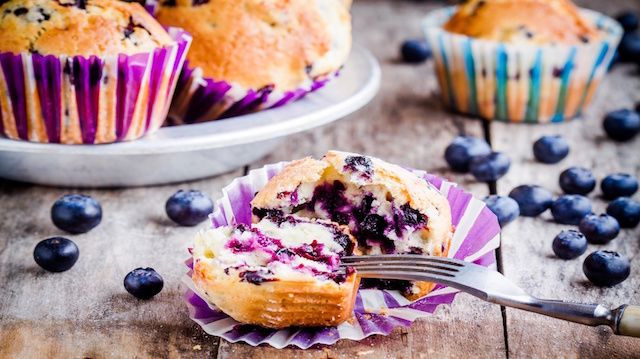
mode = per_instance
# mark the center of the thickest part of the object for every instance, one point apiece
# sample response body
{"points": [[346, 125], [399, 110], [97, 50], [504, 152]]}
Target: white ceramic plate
{"points": [[189, 152]]}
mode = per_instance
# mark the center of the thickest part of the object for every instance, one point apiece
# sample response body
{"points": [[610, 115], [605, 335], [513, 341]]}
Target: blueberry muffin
{"points": [[387, 208], [84, 71], [78, 27], [249, 55], [282, 271], [531, 61], [528, 21]]}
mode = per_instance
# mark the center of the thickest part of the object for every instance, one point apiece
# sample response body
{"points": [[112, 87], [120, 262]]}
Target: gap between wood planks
{"points": [[486, 130]]}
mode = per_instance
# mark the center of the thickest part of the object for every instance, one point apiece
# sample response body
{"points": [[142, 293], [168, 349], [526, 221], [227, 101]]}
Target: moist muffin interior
{"points": [[280, 248], [380, 224]]}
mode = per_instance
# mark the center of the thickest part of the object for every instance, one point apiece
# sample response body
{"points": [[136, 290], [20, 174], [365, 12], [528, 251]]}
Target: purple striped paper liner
{"points": [[200, 99], [475, 238], [89, 100]]}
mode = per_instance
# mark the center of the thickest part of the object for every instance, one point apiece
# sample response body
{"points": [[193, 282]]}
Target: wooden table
{"points": [[86, 312]]}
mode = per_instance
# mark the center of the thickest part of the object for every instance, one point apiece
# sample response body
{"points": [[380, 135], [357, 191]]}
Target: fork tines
{"points": [[407, 263]]}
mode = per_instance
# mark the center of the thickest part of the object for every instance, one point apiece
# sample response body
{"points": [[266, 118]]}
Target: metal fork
{"points": [[491, 286]]}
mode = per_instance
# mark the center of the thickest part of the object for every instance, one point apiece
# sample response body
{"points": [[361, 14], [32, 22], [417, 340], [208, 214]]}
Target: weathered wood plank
{"points": [[86, 312], [526, 244], [404, 124]]}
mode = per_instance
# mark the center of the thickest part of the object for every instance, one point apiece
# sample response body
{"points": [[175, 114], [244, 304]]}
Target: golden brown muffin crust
{"points": [[255, 43], [525, 21], [83, 27]]}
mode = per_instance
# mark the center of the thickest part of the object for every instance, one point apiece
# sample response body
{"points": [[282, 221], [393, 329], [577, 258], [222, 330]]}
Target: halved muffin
{"points": [[279, 272], [387, 208]]}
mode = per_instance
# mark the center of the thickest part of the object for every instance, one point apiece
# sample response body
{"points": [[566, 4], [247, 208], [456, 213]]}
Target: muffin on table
{"points": [[85, 71], [521, 61], [250, 55]]}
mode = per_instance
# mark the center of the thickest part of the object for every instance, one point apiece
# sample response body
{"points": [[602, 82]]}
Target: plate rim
{"points": [[179, 141]]}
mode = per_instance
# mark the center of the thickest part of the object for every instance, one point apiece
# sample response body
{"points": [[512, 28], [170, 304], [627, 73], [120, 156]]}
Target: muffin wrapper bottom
{"points": [[73, 100], [200, 99], [515, 82], [376, 311]]}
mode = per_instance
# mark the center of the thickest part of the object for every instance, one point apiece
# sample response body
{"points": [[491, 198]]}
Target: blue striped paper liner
{"points": [[475, 238], [553, 84]]}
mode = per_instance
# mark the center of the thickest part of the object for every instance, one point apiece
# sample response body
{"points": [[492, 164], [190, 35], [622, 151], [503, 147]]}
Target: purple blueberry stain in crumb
{"points": [[199, 2], [344, 241], [274, 215], [412, 217], [330, 197], [405, 287], [256, 277], [359, 164], [341, 275]]}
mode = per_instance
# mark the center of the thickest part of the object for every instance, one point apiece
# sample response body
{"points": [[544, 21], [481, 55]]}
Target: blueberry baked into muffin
{"points": [[84, 71], [387, 208], [279, 272], [533, 61], [249, 55]]}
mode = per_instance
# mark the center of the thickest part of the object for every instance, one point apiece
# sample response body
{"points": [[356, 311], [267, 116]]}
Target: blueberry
{"points": [[532, 200], [415, 51], [463, 148], [550, 149], [570, 208], [505, 208], [599, 229], [622, 125], [490, 167], [628, 20], [143, 283], [76, 213], [626, 211], [188, 208], [577, 180], [619, 185], [569, 244], [629, 47], [606, 268], [56, 254]]}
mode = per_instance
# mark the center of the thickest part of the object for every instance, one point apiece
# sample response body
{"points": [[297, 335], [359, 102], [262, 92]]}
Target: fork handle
{"points": [[628, 321]]}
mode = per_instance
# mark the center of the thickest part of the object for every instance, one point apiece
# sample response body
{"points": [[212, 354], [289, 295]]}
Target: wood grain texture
{"points": [[85, 312], [526, 244]]}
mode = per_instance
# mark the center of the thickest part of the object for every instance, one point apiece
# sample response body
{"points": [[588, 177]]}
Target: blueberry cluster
{"points": [[603, 268], [472, 154], [78, 213]]}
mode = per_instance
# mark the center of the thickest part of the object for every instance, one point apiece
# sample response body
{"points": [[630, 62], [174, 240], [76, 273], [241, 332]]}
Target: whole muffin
{"points": [[81, 71], [533, 21], [253, 54], [532, 61]]}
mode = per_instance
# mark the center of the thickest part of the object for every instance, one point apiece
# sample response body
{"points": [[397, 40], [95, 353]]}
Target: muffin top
{"points": [[522, 21], [256, 43], [78, 27]]}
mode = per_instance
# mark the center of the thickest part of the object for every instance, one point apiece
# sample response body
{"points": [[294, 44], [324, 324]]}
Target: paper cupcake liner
{"points": [[199, 99], [519, 82], [376, 311], [90, 100]]}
